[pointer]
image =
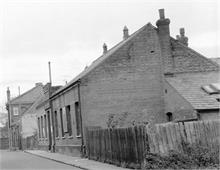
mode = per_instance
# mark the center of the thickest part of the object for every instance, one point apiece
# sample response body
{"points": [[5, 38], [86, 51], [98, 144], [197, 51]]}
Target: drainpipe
{"points": [[79, 97], [52, 123]]}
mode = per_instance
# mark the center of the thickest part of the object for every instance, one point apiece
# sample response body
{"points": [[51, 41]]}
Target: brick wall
{"points": [[69, 145], [129, 81], [4, 143]]}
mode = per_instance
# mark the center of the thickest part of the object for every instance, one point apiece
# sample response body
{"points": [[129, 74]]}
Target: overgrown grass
{"points": [[193, 157]]}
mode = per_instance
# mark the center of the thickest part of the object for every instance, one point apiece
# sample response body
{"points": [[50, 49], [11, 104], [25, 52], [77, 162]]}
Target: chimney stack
{"points": [[163, 25], [182, 38], [8, 95], [125, 33], [105, 49]]}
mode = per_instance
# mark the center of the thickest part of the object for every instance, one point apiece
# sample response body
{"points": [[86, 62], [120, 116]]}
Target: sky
{"points": [[70, 34]]}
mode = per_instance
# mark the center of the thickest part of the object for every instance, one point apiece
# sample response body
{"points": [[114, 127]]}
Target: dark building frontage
{"points": [[148, 77]]}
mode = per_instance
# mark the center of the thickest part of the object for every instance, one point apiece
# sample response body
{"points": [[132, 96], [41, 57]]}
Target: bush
{"points": [[194, 156], [203, 156]]}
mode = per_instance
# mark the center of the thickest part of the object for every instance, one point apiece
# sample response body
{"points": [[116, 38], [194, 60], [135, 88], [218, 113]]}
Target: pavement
{"points": [[77, 162], [18, 160]]}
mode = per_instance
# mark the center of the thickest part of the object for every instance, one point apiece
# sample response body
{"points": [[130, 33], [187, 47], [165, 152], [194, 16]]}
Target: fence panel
{"points": [[174, 136], [126, 146], [121, 146]]}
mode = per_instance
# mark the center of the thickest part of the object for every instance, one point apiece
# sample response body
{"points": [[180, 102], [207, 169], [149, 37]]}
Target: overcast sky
{"points": [[71, 33]]}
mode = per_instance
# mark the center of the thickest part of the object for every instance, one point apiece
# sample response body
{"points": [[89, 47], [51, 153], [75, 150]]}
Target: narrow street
{"points": [[21, 160]]}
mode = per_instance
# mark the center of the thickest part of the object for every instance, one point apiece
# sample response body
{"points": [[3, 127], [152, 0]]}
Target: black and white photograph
{"points": [[109, 84]]}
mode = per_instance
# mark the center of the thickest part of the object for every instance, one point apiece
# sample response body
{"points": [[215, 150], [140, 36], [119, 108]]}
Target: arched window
{"points": [[169, 116]]}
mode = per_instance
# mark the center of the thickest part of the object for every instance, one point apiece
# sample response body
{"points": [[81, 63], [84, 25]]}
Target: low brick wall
{"points": [[4, 143]]}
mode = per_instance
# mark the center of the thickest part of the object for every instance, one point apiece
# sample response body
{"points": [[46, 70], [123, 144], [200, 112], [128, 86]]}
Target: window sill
{"points": [[78, 136], [63, 137], [70, 137], [57, 138]]}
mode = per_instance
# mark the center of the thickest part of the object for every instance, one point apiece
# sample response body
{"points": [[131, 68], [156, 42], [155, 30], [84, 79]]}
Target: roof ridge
{"points": [[103, 57], [24, 93]]}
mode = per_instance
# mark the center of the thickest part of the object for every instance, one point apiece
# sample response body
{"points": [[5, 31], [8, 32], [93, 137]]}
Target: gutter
{"points": [[65, 88], [209, 110]]}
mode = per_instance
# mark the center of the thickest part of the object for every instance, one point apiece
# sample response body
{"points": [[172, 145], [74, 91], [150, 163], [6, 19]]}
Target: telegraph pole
{"points": [[8, 106], [51, 110]]}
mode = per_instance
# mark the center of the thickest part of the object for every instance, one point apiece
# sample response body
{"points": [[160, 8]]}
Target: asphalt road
{"points": [[21, 160]]}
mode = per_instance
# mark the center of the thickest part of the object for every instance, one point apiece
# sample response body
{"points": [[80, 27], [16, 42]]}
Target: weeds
{"points": [[194, 156]]}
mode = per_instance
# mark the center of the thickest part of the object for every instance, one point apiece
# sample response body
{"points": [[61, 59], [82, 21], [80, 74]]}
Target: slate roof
{"points": [[102, 58], [45, 98], [188, 85], [32, 109], [188, 60], [29, 96], [216, 60]]}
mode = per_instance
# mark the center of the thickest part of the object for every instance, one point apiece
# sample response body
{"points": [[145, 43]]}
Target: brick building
{"points": [[148, 77], [18, 107], [44, 118]]}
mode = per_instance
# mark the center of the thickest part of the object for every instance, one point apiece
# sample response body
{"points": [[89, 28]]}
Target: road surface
{"points": [[20, 160]]}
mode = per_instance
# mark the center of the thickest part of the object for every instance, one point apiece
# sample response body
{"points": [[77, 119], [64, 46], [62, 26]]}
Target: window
{"points": [[169, 117], [78, 119], [38, 121], [68, 119], [213, 88], [56, 124], [45, 126], [42, 127], [61, 122], [15, 111], [65, 129]]}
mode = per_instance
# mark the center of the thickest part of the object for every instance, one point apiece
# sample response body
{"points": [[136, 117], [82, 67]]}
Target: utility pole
{"points": [[8, 107], [51, 110]]}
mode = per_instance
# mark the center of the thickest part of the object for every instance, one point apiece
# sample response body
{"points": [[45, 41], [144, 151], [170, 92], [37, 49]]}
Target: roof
{"points": [[216, 60], [45, 98], [32, 109], [102, 58], [188, 60], [29, 96], [189, 86]]}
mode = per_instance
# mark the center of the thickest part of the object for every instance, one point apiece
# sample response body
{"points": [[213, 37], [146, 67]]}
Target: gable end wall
{"points": [[128, 82]]}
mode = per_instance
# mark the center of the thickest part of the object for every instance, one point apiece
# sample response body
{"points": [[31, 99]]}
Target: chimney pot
{"points": [[182, 38], [182, 31], [38, 84], [105, 48], [125, 32], [161, 14]]}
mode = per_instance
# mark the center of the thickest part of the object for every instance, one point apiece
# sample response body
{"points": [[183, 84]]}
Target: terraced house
{"points": [[148, 77], [22, 122]]}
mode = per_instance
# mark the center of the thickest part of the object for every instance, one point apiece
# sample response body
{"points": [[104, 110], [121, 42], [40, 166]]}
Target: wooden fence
{"points": [[121, 146], [174, 136], [126, 146]]}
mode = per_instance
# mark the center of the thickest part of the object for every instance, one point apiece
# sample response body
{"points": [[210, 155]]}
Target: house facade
{"points": [[17, 107], [148, 77], [44, 119]]}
